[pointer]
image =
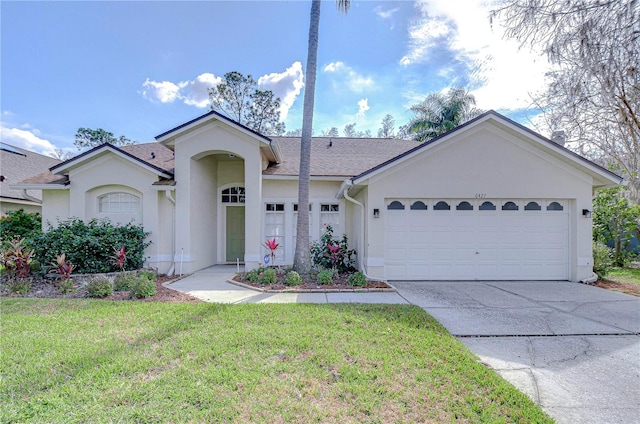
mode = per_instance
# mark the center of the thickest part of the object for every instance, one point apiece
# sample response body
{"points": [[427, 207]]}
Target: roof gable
{"points": [[602, 177], [127, 153]]}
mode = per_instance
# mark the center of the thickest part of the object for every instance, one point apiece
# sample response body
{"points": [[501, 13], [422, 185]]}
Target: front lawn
{"points": [[624, 275], [81, 360]]}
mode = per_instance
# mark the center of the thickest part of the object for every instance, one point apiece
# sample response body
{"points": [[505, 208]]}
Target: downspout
{"points": [[170, 198], [29, 197], [345, 192]]}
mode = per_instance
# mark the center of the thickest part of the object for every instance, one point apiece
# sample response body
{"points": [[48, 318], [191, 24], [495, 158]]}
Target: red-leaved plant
{"points": [[272, 245], [120, 257]]}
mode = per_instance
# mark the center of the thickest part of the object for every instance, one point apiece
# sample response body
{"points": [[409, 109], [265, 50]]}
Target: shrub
{"points": [[89, 246], [99, 287], [19, 285], [20, 224], [357, 279], [66, 286], [293, 279], [332, 253], [142, 287], [267, 276], [148, 274], [17, 258], [325, 277], [602, 259], [252, 275], [123, 281]]}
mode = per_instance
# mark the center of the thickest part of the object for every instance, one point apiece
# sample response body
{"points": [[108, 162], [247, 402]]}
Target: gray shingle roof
{"points": [[16, 167], [346, 157]]}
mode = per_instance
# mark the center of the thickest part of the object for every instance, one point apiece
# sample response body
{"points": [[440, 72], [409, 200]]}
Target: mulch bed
{"points": [[340, 283], [44, 288], [627, 288]]}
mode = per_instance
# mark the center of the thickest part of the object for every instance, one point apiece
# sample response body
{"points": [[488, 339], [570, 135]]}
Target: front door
{"points": [[235, 233]]}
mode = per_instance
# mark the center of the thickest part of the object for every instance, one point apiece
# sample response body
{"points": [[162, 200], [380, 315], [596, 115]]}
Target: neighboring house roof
{"points": [[17, 164], [337, 156], [602, 177]]}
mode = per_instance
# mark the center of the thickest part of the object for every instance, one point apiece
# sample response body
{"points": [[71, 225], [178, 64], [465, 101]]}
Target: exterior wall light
{"points": [[586, 213], [376, 213]]}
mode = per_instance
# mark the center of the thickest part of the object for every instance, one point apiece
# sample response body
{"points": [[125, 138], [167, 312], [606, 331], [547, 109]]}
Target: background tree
{"points": [[239, 98], [388, 126], [331, 132], [442, 112], [349, 130], [615, 221], [294, 133], [593, 91], [403, 132], [61, 154], [302, 258], [87, 137]]}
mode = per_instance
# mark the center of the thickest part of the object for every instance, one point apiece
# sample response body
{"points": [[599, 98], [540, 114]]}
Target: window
{"points": [[487, 206], [233, 195], [532, 206], [418, 206], [274, 227], [118, 203], [464, 206], [330, 215], [509, 206], [395, 205], [555, 206], [441, 206]]}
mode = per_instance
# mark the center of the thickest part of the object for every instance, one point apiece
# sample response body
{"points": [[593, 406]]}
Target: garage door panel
{"points": [[488, 244]]}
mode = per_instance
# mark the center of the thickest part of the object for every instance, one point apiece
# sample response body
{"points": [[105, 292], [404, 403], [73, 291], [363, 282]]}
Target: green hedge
{"points": [[19, 224], [90, 246]]}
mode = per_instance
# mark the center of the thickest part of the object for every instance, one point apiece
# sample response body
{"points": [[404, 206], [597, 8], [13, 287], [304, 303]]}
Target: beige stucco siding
{"points": [[55, 206], [199, 177], [486, 162]]}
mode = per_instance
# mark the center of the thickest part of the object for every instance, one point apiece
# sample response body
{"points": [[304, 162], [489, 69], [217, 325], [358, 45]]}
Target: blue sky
{"points": [[140, 68]]}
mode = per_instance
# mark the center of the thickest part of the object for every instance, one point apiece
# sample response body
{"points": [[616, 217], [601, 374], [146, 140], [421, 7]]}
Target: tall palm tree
{"points": [[440, 112], [302, 258]]}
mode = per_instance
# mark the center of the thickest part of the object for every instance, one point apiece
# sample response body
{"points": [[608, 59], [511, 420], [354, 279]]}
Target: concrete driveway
{"points": [[574, 349]]}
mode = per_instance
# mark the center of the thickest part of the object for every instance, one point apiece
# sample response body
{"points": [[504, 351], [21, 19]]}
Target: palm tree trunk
{"points": [[302, 259]]}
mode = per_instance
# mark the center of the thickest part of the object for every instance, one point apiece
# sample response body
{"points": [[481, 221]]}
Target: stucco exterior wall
{"points": [[488, 162], [198, 176], [6, 206], [55, 206]]}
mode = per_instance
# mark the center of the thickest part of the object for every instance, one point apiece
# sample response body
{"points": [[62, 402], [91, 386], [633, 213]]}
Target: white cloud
{"points": [[363, 106], [356, 82], [503, 74], [161, 91], [385, 14], [286, 85], [27, 140], [196, 92]]}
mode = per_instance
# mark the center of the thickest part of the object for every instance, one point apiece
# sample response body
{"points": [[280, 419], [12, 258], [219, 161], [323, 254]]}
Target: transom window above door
{"points": [[233, 195]]}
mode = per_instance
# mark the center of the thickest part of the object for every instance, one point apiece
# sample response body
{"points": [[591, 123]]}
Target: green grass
{"points": [[624, 275], [69, 360]]}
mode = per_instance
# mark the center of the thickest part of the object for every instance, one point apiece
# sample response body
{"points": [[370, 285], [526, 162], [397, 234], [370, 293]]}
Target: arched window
{"points": [[233, 195], [418, 206], [487, 206], [118, 203], [555, 206], [464, 206], [442, 206], [509, 206], [395, 205], [532, 206]]}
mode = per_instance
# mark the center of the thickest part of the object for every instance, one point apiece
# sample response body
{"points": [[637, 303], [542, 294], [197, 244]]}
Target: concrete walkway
{"points": [[574, 349], [211, 285]]}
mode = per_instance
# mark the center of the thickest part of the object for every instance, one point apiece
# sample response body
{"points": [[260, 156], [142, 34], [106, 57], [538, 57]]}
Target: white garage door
{"points": [[476, 239]]}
